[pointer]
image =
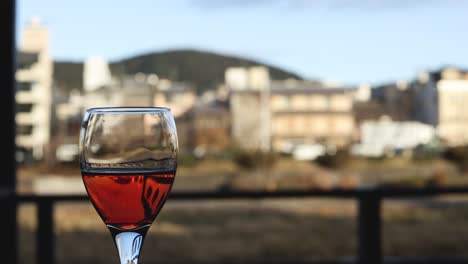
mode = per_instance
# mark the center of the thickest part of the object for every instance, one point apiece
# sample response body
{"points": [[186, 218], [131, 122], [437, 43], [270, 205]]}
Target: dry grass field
{"points": [[266, 229]]}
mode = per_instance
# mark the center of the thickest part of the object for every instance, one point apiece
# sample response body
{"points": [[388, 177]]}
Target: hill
{"points": [[205, 70], [68, 75]]}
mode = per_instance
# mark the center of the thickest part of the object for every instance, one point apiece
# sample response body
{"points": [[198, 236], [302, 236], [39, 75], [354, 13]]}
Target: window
{"points": [[284, 102], [24, 129], [319, 102], [22, 108], [23, 86], [340, 103], [325, 103], [26, 59]]}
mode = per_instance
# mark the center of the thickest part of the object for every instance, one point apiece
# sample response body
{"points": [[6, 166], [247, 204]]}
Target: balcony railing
{"points": [[368, 218]]}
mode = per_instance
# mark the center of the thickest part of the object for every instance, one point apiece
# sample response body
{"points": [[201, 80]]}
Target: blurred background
{"points": [[267, 95]]}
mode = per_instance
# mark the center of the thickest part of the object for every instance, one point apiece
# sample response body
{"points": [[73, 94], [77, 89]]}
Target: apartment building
{"points": [[33, 91], [310, 113], [275, 115], [440, 99]]}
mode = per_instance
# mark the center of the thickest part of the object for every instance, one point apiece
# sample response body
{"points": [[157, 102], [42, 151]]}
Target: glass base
{"points": [[128, 243]]}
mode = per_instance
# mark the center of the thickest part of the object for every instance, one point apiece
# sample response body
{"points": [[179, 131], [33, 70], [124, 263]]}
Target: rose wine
{"points": [[128, 201]]}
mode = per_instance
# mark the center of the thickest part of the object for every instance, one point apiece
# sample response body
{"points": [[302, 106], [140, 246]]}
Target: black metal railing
{"points": [[368, 217]]}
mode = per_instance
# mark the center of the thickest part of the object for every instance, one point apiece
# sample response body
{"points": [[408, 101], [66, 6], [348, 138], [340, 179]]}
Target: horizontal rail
{"points": [[388, 260], [387, 193]]}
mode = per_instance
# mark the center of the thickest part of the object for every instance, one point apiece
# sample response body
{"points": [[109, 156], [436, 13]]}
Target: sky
{"points": [[345, 41]]}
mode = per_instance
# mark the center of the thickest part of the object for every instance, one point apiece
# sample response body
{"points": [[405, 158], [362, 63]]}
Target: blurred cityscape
{"points": [[245, 125], [249, 110]]}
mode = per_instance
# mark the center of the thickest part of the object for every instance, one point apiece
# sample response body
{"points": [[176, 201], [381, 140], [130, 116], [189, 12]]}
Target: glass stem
{"points": [[128, 244]]}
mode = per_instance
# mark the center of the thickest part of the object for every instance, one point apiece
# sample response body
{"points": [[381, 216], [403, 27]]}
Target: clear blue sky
{"points": [[349, 41]]}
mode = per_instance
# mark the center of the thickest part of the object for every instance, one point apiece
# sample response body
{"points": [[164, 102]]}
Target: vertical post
{"points": [[45, 240], [370, 246], [8, 177]]}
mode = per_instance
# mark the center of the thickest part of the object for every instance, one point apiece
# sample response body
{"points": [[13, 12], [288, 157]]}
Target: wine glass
{"points": [[128, 161]]}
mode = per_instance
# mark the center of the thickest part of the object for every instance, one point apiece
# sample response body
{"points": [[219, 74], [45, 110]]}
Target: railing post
{"points": [[8, 248], [45, 237], [369, 218]]}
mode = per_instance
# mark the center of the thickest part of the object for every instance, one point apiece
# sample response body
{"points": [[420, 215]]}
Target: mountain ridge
{"points": [[204, 70]]}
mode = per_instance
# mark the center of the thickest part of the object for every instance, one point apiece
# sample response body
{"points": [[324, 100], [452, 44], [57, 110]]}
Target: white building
{"points": [[386, 137], [440, 99], [96, 73], [34, 90]]}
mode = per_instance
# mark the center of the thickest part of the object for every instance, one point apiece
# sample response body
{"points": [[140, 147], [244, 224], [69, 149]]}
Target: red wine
{"points": [[128, 201]]}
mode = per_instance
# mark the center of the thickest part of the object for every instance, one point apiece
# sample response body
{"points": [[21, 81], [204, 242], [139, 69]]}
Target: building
{"points": [[149, 90], [33, 91], [395, 100], [387, 138], [440, 99], [305, 113], [249, 105], [130, 91], [205, 128], [96, 74], [278, 115], [391, 100], [137, 90]]}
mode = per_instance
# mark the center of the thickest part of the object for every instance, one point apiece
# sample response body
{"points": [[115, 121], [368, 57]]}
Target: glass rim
{"points": [[127, 109]]}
